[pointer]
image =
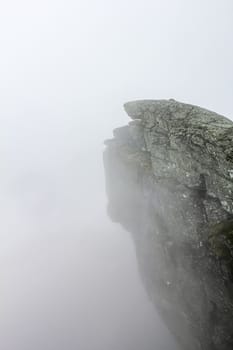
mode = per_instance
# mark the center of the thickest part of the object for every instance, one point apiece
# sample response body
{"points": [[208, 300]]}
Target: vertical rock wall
{"points": [[169, 180]]}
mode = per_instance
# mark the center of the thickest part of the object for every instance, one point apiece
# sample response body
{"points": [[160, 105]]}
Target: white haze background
{"points": [[69, 276]]}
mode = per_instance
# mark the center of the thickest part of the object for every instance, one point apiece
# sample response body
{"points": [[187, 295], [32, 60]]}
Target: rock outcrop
{"points": [[169, 181]]}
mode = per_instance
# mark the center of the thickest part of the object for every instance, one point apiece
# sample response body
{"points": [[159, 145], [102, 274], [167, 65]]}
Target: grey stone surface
{"points": [[169, 180]]}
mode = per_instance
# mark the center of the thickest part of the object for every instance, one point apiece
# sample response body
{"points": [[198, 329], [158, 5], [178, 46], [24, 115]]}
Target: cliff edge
{"points": [[169, 181]]}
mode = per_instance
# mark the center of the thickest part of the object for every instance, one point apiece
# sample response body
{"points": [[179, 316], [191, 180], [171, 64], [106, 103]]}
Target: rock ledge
{"points": [[169, 180]]}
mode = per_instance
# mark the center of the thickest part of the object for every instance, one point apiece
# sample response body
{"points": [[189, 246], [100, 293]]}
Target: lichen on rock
{"points": [[169, 180]]}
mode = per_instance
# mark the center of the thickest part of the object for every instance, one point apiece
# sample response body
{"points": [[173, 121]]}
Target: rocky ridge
{"points": [[169, 181]]}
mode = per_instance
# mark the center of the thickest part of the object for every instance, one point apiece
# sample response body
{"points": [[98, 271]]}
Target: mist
{"points": [[69, 276]]}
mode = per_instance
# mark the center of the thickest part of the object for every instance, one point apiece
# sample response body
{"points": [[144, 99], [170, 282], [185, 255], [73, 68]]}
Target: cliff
{"points": [[169, 181]]}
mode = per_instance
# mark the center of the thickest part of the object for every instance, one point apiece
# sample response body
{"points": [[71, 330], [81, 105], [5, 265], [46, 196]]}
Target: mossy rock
{"points": [[221, 240]]}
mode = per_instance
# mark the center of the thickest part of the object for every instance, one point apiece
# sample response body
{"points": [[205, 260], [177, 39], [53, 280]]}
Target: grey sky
{"points": [[66, 68]]}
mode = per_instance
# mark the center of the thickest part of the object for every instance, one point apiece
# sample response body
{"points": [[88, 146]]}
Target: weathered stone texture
{"points": [[169, 179]]}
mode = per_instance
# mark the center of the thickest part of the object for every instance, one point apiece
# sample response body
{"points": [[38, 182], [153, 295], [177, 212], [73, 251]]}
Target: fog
{"points": [[69, 277]]}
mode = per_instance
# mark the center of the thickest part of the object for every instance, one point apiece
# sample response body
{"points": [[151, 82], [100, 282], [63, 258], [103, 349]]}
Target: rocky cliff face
{"points": [[169, 180]]}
